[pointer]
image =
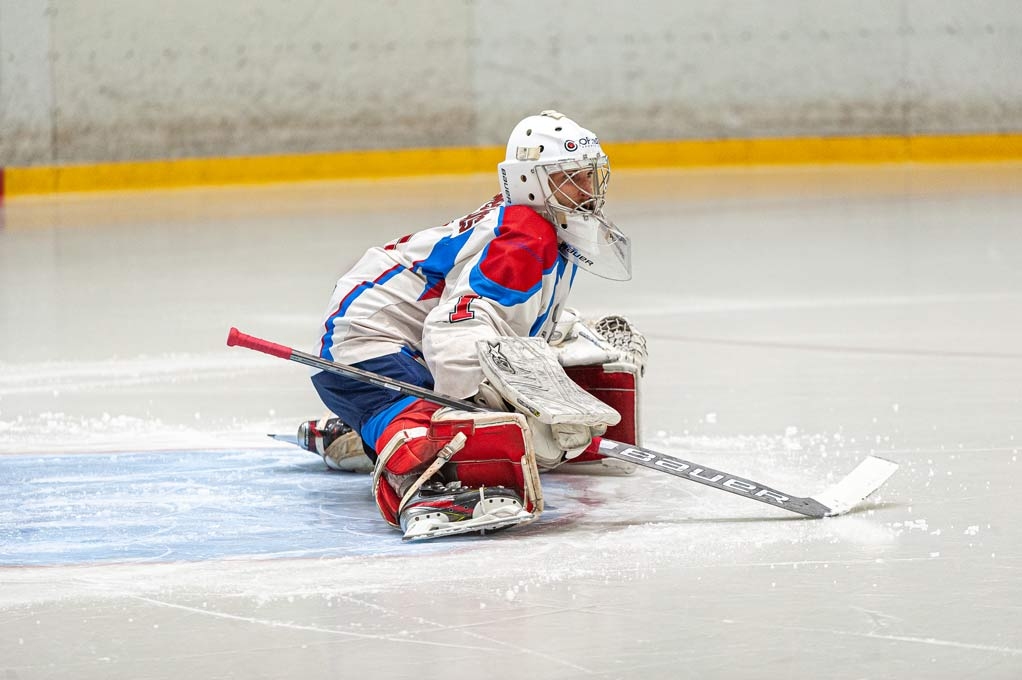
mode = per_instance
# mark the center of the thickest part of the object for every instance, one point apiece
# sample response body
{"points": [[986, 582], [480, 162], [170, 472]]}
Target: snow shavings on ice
{"points": [[55, 432], [55, 377], [803, 459], [55, 406]]}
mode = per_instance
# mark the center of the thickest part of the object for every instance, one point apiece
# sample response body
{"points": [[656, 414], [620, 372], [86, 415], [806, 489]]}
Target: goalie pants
{"points": [[369, 408]]}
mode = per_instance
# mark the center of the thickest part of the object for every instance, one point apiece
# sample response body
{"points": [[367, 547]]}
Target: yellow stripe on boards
{"points": [[248, 170], [20, 181], [816, 150]]}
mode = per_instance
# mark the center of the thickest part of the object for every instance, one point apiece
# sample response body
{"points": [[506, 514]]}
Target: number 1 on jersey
{"points": [[463, 310]]}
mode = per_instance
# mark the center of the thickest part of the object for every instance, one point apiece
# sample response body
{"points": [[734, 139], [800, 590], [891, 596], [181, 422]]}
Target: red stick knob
{"points": [[236, 337]]}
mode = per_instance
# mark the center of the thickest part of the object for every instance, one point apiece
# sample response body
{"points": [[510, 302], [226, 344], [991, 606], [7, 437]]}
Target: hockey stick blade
{"points": [[869, 476], [858, 485], [838, 499]]}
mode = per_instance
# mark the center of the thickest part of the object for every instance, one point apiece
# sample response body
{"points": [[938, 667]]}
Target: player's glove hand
{"points": [[555, 444], [577, 345], [609, 339], [574, 438], [561, 442]]}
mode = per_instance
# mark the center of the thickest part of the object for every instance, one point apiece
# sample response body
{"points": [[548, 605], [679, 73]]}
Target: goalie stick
{"points": [[865, 479]]}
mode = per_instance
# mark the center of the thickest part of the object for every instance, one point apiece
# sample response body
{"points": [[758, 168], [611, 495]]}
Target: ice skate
{"points": [[444, 510], [338, 444]]}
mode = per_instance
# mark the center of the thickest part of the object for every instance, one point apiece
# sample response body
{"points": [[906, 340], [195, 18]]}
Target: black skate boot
{"points": [[439, 509], [338, 444]]}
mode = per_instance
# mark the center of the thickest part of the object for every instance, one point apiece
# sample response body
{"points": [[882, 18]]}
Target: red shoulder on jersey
{"points": [[524, 249]]}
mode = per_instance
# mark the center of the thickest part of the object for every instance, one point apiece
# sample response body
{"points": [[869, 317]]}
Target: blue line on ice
{"points": [[189, 505]]}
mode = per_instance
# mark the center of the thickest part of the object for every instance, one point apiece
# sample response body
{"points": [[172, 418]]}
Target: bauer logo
{"points": [[505, 184], [700, 474], [571, 251], [581, 143]]}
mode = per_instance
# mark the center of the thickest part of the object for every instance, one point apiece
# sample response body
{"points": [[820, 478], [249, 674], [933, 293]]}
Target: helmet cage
{"points": [[575, 186]]}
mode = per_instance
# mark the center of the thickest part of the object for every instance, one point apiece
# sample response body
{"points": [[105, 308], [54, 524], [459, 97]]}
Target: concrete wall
{"points": [[95, 80]]}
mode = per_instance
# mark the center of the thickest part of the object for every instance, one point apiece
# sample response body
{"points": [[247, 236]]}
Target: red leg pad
{"points": [[618, 389], [492, 454]]}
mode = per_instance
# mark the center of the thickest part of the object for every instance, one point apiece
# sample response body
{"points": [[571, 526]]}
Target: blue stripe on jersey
{"points": [[326, 343], [374, 427], [413, 353], [506, 297], [441, 260], [561, 264]]}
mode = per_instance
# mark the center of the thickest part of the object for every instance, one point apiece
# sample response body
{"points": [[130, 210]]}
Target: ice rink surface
{"points": [[798, 319]]}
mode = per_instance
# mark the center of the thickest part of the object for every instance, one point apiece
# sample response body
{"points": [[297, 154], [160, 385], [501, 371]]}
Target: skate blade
{"points": [[287, 438], [468, 526]]}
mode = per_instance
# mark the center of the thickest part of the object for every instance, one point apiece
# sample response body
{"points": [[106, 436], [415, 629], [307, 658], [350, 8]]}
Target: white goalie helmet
{"points": [[557, 167]]}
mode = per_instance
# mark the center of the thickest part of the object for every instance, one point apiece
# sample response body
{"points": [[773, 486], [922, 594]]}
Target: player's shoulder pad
{"points": [[526, 228], [523, 250]]}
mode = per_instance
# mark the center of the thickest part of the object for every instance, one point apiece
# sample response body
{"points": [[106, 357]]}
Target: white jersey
{"points": [[435, 293]]}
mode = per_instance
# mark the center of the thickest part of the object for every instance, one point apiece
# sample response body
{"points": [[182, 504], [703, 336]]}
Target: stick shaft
{"points": [[239, 339]]}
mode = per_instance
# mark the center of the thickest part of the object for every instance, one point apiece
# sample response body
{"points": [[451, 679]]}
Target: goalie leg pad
{"points": [[405, 450], [616, 385], [425, 442]]}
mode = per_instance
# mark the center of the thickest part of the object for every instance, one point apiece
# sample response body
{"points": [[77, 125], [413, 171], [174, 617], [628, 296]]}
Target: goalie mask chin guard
{"points": [[595, 244], [557, 167]]}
